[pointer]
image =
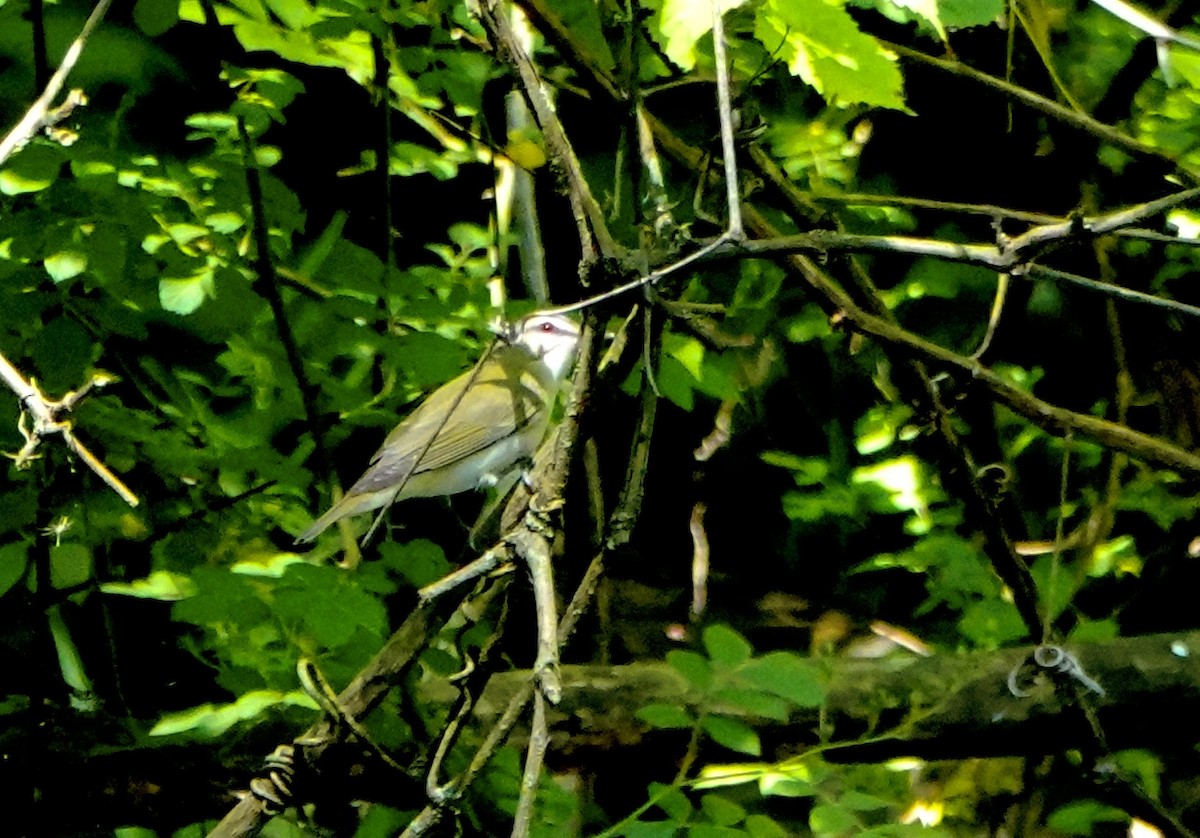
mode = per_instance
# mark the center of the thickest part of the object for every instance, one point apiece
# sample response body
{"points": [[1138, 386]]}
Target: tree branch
{"points": [[945, 706], [40, 114], [46, 421]]}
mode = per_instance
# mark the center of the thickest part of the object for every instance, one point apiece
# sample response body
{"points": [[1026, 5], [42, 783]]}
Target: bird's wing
{"points": [[507, 374]]}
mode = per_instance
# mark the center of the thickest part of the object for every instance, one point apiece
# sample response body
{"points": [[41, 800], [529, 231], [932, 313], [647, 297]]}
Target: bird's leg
{"points": [[486, 528]]}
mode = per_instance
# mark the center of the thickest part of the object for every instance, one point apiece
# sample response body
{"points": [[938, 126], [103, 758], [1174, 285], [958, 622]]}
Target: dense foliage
{"points": [[941, 393]]}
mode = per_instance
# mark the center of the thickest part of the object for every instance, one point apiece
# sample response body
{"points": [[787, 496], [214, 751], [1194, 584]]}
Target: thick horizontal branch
{"points": [[947, 706], [959, 703]]}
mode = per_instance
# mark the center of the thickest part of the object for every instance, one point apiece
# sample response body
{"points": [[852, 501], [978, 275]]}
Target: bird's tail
{"points": [[351, 504]]}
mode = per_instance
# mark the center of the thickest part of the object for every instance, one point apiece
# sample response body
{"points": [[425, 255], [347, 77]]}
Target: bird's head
{"points": [[551, 337]]}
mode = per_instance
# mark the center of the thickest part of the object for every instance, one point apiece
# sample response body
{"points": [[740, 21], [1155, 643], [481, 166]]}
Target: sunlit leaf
{"points": [[212, 720], [162, 585], [683, 22], [65, 264], [822, 44], [185, 295]]}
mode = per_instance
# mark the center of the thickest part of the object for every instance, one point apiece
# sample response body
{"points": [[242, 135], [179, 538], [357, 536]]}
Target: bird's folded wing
{"points": [[499, 406]]}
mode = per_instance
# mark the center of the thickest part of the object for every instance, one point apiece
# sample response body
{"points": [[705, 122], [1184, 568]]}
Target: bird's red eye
{"points": [[547, 327]]}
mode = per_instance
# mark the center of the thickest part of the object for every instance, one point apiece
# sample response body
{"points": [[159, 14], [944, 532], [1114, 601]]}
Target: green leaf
{"points": [[31, 170], [154, 17], [682, 23], [859, 801], [224, 222], [671, 800], [733, 734], [761, 826], [64, 353], [704, 830], [927, 9], [135, 832], [1095, 631], [268, 565], [582, 19], [959, 14], [693, 667], [830, 818], [651, 829], [162, 585], [212, 720], [1146, 767], [380, 821], [992, 623], [726, 648], [752, 702], [1056, 587], [823, 45], [12, 564], [665, 716], [720, 811], [676, 383], [329, 605], [70, 565], [65, 265], [787, 676], [688, 351], [780, 784], [185, 295], [1082, 817], [420, 561]]}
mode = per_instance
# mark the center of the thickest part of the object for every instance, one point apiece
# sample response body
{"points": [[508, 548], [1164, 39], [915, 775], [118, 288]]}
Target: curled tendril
{"points": [[1058, 662]]}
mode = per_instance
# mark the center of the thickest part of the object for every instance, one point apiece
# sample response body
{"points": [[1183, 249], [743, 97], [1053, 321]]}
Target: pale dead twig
{"points": [[45, 414], [41, 114]]}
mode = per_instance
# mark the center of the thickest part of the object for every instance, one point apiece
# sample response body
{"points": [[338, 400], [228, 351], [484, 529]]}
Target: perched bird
{"points": [[470, 431]]}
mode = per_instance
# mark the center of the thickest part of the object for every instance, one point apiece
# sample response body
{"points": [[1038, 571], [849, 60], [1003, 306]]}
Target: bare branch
{"points": [[40, 113], [733, 197], [593, 231], [46, 413], [1066, 115]]}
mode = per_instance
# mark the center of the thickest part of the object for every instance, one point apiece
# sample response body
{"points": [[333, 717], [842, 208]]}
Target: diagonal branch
{"points": [[46, 421], [593, 231], [40, 114], [1073, 118]]}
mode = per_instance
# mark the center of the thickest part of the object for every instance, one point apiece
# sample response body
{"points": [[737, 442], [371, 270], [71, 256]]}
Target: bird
{"points": [[472, 430]]}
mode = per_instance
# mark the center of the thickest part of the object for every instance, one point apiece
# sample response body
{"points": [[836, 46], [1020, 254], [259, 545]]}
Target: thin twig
{"points": [[535, 756], [368, 688], [36, 117], [1032, 100], [1039, 412], [626, 511], [268, 286], [46, 413], [593, 231], [733, 196]]}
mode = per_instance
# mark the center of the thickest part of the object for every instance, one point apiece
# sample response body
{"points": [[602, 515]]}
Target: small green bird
{"points": [[472, 430]]}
